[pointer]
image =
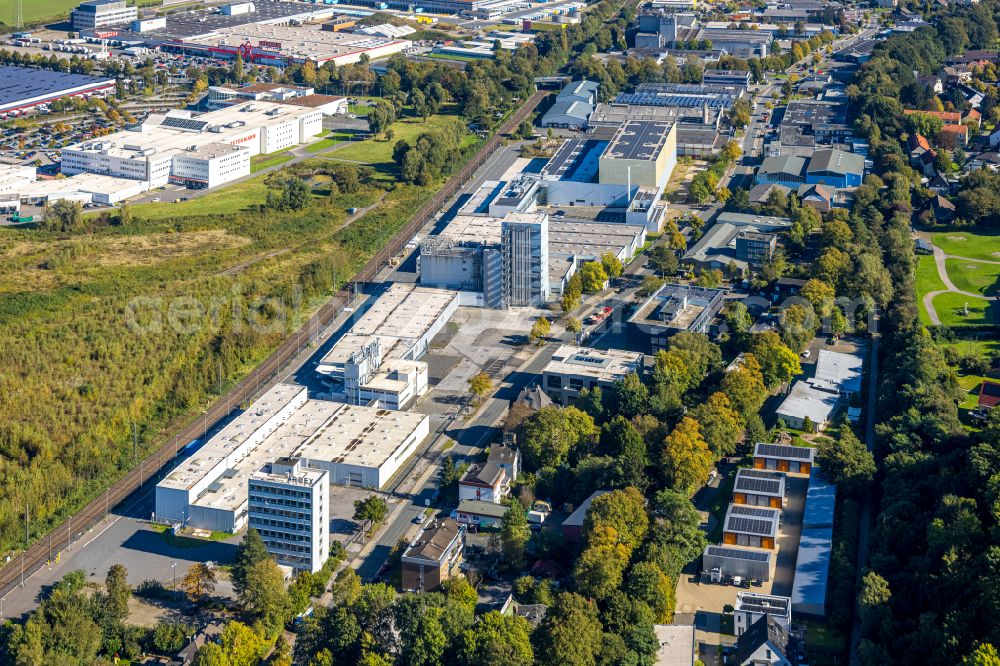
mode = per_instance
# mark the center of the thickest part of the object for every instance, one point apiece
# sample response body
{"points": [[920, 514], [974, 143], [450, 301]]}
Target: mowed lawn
{"points": [[928, 280], [950, 308], [378, 152], [978, 244], [974, 276]]}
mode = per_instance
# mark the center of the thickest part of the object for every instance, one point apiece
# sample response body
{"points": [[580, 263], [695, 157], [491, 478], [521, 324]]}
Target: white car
{"points": [[807, 353]]}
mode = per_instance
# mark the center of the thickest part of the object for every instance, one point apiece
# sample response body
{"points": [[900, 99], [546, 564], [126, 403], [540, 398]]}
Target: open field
{"points": [[978, 244], [118, 325], [378, 152], [223, 201], [38, 10], [950, 307], [987, 347], [974, 276]]}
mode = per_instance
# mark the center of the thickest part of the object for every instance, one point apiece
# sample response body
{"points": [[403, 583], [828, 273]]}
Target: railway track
{"points": [[21, 567]]}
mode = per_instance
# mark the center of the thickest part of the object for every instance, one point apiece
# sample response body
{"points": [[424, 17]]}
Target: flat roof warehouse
{"points": [[339, 438], [201, 23], [638, 140], [25, 87]]}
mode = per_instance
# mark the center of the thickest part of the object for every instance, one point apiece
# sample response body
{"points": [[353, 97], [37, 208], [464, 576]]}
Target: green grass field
{"points": [[378, 152], [269, 161], [950, 307], [39, 10], [231, 199], [988, 347], [329, 141], [979, 244], [928, 280], [974, 276], [450, 56]]}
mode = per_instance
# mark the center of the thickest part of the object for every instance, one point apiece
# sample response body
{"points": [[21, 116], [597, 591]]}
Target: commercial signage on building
{"points": [[274, 46]]}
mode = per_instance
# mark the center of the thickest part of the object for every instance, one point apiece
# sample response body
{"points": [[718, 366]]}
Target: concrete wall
{"points": [[572, 193]]}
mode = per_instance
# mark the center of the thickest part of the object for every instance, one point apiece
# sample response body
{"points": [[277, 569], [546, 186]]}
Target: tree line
{"points": [[930, 594]]}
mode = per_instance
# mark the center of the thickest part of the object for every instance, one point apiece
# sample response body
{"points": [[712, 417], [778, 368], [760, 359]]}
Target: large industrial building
{"points": [[268, 33], [524, 259], [24, 88], [280, 45], [220, 97], [504, 257], [640, 152], [378, 358], [357, 446], [613, 167], [201, 151]]}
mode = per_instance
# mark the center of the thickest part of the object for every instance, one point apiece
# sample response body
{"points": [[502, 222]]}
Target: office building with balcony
{"points": [[289, 507]]}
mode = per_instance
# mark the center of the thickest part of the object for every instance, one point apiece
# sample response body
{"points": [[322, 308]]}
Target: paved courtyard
{"points": [[701, 603]]}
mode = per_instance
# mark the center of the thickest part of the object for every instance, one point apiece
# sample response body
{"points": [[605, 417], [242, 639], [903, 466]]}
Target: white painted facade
{"points": [[289, 507]]}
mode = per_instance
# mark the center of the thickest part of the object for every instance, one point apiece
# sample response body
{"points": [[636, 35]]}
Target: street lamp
{"points": [[173, 566]]}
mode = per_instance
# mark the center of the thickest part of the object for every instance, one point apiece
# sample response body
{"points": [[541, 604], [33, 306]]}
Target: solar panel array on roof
{"points": [[782, 451], [189, 124], [570, 157], [747, 510], [23, 83], [738, 553], [638, 140], [654, 99], [749, 526], [758, 473], [761, 603], [745, 484]]}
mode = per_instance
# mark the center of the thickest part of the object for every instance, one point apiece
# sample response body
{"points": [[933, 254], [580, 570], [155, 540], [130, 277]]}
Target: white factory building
{"points": [[289, 505], [200, 151], [519, 258], [377, 362], [357, 446]]}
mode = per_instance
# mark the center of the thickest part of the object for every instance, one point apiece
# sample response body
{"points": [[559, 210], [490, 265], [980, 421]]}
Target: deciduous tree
{"points": [[687, 460]]}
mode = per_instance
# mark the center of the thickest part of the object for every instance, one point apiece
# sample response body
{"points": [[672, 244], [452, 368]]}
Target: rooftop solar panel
{"points": [[758, 486], [758, 473], [758, 511], [189, 124], [762, 603], [782, 451], [737, 553], [750, 526], [713, 101]]}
